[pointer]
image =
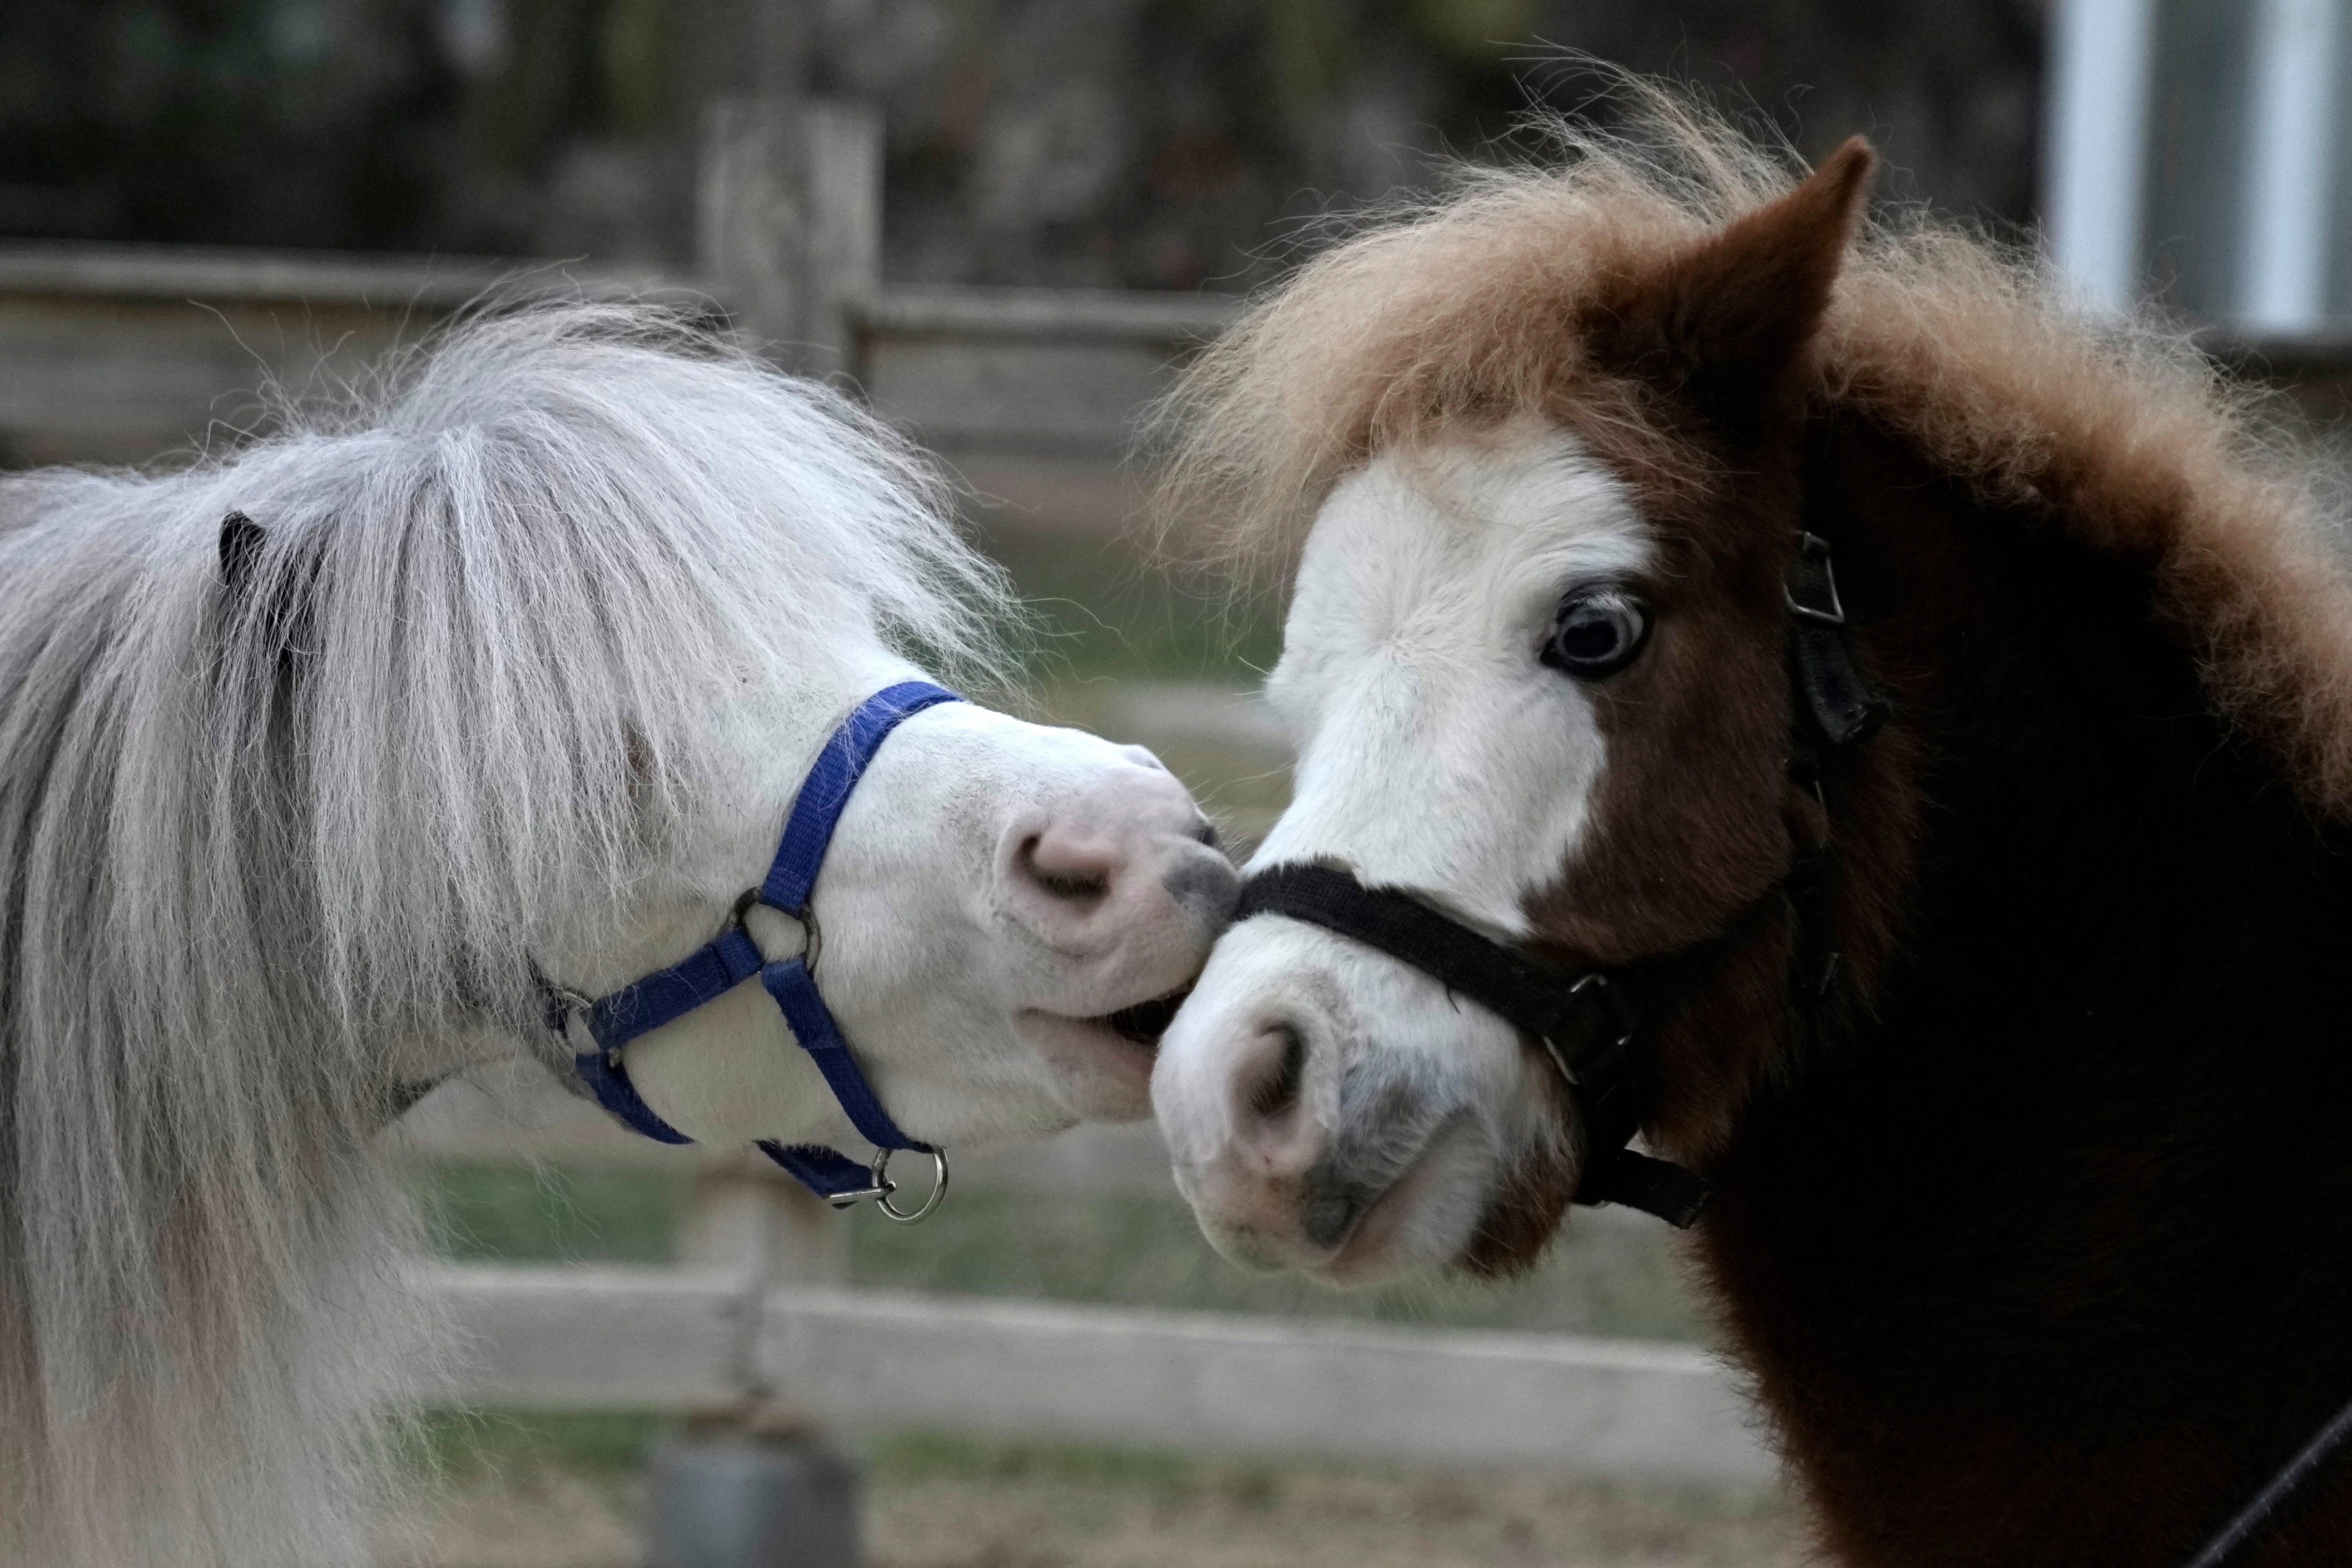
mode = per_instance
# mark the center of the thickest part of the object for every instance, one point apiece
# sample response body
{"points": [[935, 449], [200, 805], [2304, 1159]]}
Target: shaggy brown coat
{"points": [[2037, 1234]]}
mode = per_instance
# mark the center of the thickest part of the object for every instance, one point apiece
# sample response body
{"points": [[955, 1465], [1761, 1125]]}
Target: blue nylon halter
{"points": [[732, 957]]}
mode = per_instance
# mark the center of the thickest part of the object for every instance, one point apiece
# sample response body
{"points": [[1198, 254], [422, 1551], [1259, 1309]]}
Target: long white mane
{"points": [[261, 837]]}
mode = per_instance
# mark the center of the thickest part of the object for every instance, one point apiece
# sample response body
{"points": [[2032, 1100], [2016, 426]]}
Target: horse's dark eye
{"points": [[1598, 633]]}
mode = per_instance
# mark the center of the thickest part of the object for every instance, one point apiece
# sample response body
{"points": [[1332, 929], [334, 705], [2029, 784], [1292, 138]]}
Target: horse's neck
{"points": [[2087, 841], [2079, 1179]]}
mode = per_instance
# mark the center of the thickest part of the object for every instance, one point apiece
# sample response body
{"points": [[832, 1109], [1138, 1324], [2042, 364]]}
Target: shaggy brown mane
{"points": [[1456, 313]]}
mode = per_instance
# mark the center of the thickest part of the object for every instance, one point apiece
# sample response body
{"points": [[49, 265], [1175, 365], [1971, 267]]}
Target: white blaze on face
{"points": [[1437, 754]]}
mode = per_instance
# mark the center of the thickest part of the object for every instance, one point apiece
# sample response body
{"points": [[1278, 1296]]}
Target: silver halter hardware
{"points": [[883, 1189]]}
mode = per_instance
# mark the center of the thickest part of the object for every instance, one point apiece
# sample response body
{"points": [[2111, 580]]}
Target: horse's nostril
{"points": [[1075, 883], [1074, 888], [1327, 1216], [1275, 1095]]}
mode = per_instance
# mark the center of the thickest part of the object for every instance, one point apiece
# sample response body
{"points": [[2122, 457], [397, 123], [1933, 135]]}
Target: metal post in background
{"points": [[2291, 174], [2102, 58], [757, 1488]]}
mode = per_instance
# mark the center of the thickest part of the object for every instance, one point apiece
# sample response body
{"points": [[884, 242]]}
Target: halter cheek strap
{"points": [[732, 957]]}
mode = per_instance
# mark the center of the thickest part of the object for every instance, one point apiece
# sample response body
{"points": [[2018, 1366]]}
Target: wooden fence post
{"points": [[765, 1230], [788, 223]]}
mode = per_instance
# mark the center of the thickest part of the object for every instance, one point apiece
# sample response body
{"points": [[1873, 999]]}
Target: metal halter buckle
{"points": [[880, 1193], [1594, 980], [1814, 549], [574, 1004]]}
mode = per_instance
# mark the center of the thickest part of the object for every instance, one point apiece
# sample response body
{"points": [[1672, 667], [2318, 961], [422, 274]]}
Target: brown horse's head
{"points": [[1535, 661]]}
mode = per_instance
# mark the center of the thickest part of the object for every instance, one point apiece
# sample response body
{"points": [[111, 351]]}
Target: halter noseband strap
{"points": [[1586, 1023], [732, 957], [1590, 1023]]}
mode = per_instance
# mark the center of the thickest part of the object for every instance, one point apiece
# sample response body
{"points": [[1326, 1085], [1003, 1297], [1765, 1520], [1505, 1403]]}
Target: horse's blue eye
{"points": [[1598, 632]]}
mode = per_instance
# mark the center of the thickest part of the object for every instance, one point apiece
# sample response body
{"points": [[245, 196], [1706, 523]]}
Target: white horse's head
{"points": [[586, 607], [1001, 903], [513, 672]]}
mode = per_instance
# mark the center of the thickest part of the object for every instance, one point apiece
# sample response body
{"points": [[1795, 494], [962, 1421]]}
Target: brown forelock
{"points": [[1462, 311]]}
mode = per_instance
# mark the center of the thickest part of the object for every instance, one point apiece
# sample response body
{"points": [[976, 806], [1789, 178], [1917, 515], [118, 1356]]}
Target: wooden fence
{"points": [[699, 1339], [117, 354], [755, 1319]]}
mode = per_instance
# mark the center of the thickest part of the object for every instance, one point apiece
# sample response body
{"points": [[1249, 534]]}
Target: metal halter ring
{"points": [[812, 939], [884, 1188]]}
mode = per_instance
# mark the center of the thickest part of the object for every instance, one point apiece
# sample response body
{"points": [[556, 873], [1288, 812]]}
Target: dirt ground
{"points": [[1250, 1517]]}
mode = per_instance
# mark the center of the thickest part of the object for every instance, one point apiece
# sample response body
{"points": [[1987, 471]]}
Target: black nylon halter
{"points": [[1586, 1023], [1590, 1023]]}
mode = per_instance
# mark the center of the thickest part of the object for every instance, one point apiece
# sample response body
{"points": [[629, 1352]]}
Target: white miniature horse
{"points": [[512, 674]]}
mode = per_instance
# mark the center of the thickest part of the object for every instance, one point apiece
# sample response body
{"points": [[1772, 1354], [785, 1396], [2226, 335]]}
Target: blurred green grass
{"points": [[1103, 609], [467, 1447], [1604, 1276], [464, 1448], [479, 1212]]}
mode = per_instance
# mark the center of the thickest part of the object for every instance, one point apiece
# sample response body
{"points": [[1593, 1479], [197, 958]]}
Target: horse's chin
{"points": [[1521, 1218], [1394, 1234], [1104, 1064]]}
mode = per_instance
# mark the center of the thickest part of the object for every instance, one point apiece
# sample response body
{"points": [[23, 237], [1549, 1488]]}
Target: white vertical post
{"points": [[2290, 163], [751, 1219], [2101, 57]]}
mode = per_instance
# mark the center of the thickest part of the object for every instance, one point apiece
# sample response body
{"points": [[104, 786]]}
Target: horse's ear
{"points": [[240, 544], [1723, 321]]}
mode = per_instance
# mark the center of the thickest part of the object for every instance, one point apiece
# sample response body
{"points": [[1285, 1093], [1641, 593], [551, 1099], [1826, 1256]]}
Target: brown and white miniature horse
{"points": [[2035, 1229]]}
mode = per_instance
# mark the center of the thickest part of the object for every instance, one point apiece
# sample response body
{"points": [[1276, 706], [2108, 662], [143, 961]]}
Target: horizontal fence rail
{"points": [[688, 1340], [242, 274], [758, 1316], [117, 354]]}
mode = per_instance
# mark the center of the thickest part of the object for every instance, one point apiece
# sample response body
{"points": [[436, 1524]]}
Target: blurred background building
{"points": [[2190, 146], [1136, 143]]}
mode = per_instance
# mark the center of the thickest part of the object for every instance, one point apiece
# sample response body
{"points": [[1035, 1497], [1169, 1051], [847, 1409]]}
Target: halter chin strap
{"points": [[732, 957], [1590, 1024]]}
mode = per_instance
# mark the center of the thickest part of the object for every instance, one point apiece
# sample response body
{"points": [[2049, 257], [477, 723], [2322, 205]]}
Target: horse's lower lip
{"points": [[1104, 1067], [1144, 1022]]}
